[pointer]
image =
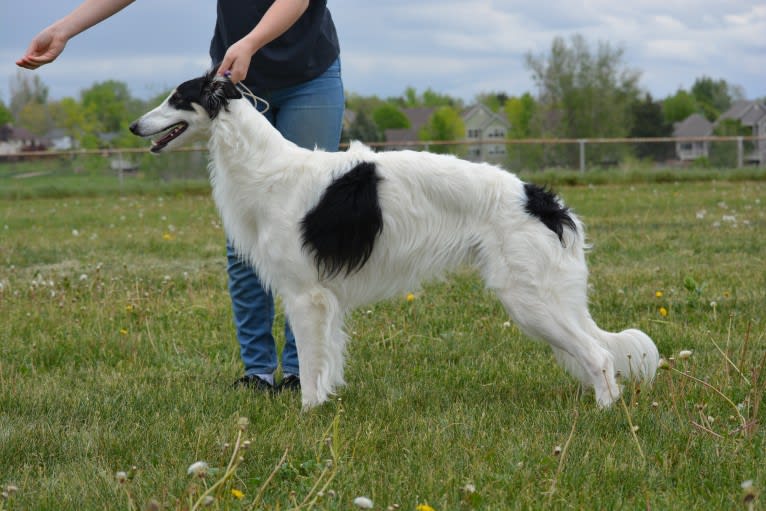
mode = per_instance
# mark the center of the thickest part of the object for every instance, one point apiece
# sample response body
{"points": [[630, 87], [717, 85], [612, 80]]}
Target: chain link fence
{"points": [[125, 166]]}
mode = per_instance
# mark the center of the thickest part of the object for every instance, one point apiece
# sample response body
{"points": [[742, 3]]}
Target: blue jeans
{"points": [[310, 115]]}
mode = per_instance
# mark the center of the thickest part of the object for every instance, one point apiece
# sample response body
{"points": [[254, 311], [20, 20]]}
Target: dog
{"points": [[332, 231]]}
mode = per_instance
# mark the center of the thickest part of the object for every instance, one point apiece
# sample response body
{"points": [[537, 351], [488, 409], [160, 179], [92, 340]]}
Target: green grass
{"points": [[117, 349]]}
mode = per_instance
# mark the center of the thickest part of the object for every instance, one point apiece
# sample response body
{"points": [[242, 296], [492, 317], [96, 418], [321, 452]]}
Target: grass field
{"points": [[117, 351]]}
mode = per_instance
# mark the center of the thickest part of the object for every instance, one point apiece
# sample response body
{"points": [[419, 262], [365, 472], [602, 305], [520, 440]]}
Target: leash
{"points": [[245, 90]]}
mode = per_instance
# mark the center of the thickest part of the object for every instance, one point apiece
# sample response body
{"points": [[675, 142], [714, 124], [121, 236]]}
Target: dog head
{"points": [[187, 113]]}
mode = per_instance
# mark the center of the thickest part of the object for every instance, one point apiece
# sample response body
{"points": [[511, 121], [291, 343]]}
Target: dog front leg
{"points": [[314, 316]]}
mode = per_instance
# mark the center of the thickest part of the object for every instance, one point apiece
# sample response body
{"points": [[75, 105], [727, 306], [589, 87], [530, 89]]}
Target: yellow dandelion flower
{"points": [[123, 331], [237, 494], [167, 236], [424, 507], [658, 294], [410, 297], [663, 312], [129, 308]]}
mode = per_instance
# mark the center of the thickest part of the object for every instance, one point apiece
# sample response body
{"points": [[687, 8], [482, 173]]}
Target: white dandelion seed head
{"points": [[121, 477], [363, 503], [198, 469], [747, 485], [75, 232], [684, 354], [83, 277], [507, 324]]}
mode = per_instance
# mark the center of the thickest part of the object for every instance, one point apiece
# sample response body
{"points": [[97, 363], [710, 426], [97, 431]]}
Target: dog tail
{"points": [[634, 354]]}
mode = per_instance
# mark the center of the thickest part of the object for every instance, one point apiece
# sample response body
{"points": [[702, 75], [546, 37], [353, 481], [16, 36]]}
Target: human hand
{"points": [[237, 60], [44, 49]]}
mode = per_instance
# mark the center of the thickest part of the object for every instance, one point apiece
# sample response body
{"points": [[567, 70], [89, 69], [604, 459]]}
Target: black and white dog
{"points": [[333, 231]]}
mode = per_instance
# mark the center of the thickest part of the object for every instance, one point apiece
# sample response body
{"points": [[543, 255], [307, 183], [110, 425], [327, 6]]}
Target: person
{"points": [[286, 52]]}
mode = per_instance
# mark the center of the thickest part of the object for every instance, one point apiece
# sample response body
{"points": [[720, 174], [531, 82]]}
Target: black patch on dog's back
{"points": [[342, 228], [543, 204]]}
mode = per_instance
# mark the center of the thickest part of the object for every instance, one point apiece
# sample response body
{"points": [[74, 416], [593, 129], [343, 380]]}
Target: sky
{"points": [[459, 48]]}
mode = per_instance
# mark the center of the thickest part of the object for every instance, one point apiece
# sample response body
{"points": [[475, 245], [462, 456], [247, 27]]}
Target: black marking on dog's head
{"points": [[342, 228], [211, 92], [543, 204]]}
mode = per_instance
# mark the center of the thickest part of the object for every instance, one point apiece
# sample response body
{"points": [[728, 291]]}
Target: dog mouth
{"points": [[171, 133]]}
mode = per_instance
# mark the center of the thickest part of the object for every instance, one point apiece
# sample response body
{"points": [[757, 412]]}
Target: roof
{"points": [[748, 113], [693, 126]]}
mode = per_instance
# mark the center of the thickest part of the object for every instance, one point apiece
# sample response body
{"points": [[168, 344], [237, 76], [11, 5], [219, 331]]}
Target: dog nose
{"points": [[134, 127]]}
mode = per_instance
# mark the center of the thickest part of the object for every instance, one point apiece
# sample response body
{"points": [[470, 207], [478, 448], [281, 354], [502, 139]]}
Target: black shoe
{"points": [[290, 382], [255, 383]]}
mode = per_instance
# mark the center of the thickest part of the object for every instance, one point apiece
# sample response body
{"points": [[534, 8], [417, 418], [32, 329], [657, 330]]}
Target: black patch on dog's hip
{"points": [[340, 231], [543, 204]]}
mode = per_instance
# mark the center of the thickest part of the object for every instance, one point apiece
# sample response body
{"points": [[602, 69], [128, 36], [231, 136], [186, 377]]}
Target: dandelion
{"points": [[663, 364], [121, 477], [123, 331], [167, 236], [363, 503], [198, 469], [507, 324], [129, 308], [410, 297], [684, 354], [663, 312], [75, 232], [237, 494], [424, 507], [658, 294], [83, 277], [557, 450]]}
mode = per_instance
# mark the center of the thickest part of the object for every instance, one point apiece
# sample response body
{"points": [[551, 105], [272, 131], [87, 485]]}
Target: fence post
{"points": [[740, 152], [581, 142]]}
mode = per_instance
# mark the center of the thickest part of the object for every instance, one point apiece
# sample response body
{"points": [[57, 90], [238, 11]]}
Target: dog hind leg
{"points": [[557, 324]]}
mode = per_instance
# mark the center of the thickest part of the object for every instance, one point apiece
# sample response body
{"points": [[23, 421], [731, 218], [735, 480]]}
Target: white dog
{"points": [[333, 231]]}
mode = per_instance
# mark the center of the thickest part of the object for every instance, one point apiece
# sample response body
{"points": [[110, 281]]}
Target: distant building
{"points": [[484, 127], [693, 126], [15, 140], [751, 114]]}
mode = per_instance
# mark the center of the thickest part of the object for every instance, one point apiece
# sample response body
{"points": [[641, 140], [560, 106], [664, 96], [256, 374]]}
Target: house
{"points": [[400, 137], [751, 114], [483, 127], [15, 140], [60, 141], [694, 126]]}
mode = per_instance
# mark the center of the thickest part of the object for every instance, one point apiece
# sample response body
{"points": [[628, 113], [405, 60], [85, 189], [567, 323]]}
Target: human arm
{"points": [[50, 42], [278, 18]]}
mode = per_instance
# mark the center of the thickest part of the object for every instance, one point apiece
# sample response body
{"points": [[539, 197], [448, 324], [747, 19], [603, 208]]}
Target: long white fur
{"points": [[439, 212]]}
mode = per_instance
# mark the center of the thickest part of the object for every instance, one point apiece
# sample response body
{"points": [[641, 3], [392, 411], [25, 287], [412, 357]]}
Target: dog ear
{"points": [[217, 92]]}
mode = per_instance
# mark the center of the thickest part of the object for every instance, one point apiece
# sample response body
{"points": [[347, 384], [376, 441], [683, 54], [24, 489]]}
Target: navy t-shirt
{"points": [[302, 53]]}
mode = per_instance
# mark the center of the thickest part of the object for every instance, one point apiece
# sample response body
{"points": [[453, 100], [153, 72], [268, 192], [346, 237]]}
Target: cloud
{"points": [[461, 48]]}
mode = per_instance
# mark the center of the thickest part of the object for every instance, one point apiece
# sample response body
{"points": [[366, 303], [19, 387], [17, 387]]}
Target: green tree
{"points": [[648, 121], [6, 117], [362, 128], [34, 117], [107, 103], [445, 124], [678, 107], [429, 99], [389, 116], [521, 111], [492, 100], [713, 97], [26, 88], [583, 93]]}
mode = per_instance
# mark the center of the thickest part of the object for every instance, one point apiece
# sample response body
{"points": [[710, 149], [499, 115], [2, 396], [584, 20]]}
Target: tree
{"points": [[583, 93], [712, 96], [648, 121], [6, 117], [107, 103], [362, 128], [520, 112], [492, 100], [444, 124], [26, 88], [429, 99], [388, 116], [678, 107]]}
